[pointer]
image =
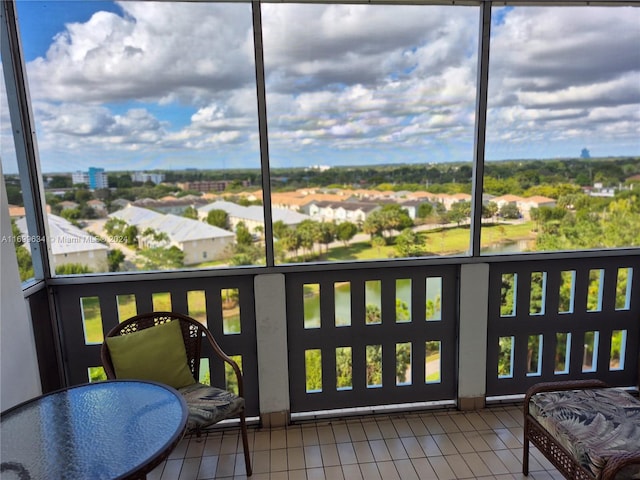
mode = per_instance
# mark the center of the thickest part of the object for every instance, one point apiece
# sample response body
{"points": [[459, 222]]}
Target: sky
{"points": [[140, 86]]}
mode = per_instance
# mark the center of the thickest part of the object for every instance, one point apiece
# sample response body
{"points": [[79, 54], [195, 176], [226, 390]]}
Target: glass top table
{"points": [[115, 429]]}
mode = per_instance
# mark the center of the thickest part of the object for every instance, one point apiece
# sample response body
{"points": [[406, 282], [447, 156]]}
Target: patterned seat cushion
{"points": [[208, 405], [592, 424]]}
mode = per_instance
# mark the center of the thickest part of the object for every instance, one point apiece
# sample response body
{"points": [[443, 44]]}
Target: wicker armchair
{"points": [[562, 427], [207, 404]]}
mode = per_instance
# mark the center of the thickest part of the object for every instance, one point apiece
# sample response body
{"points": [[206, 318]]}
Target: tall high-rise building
{"points": [[80, 178], [146, 177], [97, 178]]}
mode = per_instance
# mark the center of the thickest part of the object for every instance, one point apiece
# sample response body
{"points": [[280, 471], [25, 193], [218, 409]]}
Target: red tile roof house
{"points": [[526, 204]]}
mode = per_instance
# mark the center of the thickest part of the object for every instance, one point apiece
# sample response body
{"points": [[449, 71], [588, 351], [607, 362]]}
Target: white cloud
{"points": [[556, 73], [338, 76], [186, 51], [156, 62], [353, 76], [74, 125]]}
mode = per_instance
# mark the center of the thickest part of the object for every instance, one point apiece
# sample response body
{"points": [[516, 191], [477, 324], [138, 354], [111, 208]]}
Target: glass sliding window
{"points": [[562, 147], [370, 110], [146, 119], [18, 237]]}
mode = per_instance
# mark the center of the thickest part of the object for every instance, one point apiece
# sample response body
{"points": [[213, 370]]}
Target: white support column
{"points": [[273, 360], [474, 302], [19, 375]]}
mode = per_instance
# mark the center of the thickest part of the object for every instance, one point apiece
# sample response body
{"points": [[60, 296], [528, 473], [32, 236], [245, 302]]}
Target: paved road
{"points": [[97, 227]]}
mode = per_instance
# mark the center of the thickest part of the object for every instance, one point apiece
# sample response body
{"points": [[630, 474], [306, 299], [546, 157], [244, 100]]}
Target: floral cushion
{"points": [[592, 424], [208, 405]]}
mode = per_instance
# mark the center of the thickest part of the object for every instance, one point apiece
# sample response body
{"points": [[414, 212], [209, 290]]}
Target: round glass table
{"points": [[115, 429]]}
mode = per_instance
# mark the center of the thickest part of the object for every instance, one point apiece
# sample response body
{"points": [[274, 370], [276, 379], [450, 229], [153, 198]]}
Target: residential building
{"points": [[252, 217], [209, 185], [68, 205], [79, 178], [94, 178], [508, 199], [145, 177], [198, 241], [70, 245], [97, 178], [174, 205], [354, 212], [526, 204], [98, 206]]}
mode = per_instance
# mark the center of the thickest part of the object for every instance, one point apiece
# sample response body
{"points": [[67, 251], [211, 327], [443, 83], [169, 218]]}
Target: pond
{"points": [[509, 247], [372, 297]]}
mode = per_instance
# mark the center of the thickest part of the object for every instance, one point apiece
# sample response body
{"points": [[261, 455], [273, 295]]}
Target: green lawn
{"points": [[92, 318], [440, 241], [444, 241], [358, 251]]}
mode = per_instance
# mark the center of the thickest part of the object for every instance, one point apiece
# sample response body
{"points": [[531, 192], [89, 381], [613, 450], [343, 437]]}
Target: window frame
{"points": [[33, 190]]}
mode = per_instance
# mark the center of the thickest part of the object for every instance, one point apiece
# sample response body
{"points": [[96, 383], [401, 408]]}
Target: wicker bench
{"points": [[585, 428]]}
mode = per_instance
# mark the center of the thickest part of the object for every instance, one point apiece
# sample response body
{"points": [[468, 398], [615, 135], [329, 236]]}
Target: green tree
{"points": [[390, 217], [313, 370], [71, 269], [374, 364], [344, 368], [489, 210], [504, 356], [280, 229], [327, 234], [160, 239], [373, 314], [378, 242], [190, 212], [60, 181], [425, 210], [433, 308], [621, 222], [507, 292], [510, 211], [82, 195], [131, 235], [460, 212], [218, 218], [291, 241], [345, 231], [442, 214], [114, 259], [87, 212], [25, 263], [403, 313], [243, 235], [403, 362], [70, 214], [544, 215], [161, 258], [115, 227], [396, 217], [501, 186], [373, 225], [309, 233], [410, 244], [245, 255], [555, 190]]}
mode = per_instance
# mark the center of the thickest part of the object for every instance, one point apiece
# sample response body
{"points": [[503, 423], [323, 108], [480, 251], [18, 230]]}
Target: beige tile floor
{"points": [[434, 445]]}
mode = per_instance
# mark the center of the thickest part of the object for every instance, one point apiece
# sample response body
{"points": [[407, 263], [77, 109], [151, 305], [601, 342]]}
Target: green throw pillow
{"points": [[155, 353]]}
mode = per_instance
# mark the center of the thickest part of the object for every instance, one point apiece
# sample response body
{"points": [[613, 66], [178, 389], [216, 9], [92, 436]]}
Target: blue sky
{"points": [[158, 85], [41, 21]]}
